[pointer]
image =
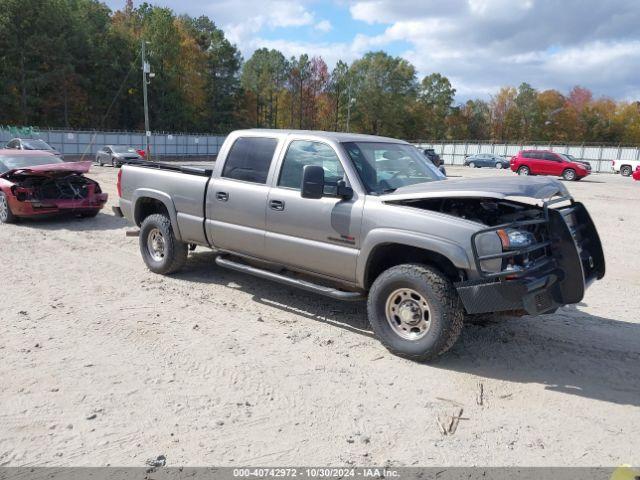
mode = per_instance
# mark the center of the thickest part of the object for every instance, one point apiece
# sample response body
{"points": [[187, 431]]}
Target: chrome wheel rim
{"points": [[408, 314], [524, 171], [570, 175], [156, 245], [499, 166], [472, 165], [4, 208]]}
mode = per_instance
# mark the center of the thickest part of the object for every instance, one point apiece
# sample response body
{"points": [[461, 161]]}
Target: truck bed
{"points": [[182, 188]]}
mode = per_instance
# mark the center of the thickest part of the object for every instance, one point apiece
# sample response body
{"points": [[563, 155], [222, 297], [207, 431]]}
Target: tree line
{"points": [[76, 64]]}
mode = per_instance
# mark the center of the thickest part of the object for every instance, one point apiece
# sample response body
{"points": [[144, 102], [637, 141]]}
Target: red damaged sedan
{"points": [[38, 183]]}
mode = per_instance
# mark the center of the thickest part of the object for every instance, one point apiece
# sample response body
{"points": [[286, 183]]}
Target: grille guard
{"points": [[545, 262]]}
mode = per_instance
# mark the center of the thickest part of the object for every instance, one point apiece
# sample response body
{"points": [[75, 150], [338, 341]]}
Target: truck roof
{"points": [[334, 136]]}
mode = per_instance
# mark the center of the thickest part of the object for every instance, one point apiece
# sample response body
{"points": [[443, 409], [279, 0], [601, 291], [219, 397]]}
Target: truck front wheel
{"points": [[161, 250], [415, 311]]}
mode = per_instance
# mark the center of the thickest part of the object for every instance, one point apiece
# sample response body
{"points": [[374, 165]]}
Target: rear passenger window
{"points": [[550, 156], [301, 153], [249, 159]]}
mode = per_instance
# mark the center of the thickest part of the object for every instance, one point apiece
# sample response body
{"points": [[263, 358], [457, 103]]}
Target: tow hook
{"points": [[132, 233]]}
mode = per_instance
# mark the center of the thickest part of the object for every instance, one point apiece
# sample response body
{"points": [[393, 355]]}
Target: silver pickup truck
{"points": [[358, 216]]}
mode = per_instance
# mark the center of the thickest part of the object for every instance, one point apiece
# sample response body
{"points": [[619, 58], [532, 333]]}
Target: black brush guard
{"points": [[573, 258]]}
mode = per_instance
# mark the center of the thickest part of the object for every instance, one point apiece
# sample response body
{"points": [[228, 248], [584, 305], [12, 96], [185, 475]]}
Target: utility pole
{"points": [[146, 70], [349, 102]]}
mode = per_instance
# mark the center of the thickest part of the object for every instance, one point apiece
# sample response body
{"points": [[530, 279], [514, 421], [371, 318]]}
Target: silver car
{"points": [[116, 155], [480, 160]]}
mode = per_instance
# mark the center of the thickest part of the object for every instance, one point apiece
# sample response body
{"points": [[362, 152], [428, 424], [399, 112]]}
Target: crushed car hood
{"points": [[52, 169], [536, 188]]}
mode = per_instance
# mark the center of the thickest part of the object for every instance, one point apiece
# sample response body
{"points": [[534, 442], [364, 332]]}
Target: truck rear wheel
{"points": [[160, 249], [415, 311]]}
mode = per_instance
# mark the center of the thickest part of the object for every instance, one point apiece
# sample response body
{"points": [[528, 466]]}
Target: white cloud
{"points": [[323, 26], [479, 44], [484, 44]]}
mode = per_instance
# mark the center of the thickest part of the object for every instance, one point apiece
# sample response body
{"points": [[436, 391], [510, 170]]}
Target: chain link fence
{"points": [[75, 144], [601, 157]]}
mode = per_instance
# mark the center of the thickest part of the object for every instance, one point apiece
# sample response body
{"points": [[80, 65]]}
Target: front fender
{"points": [[384, 236], [162, 197]]}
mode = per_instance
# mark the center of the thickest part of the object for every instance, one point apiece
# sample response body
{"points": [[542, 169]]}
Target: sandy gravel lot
{"points": [[102, 362]]}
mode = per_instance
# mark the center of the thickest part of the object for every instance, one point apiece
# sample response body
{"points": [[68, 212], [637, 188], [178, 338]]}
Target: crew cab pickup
{"points": [[357, 216]]}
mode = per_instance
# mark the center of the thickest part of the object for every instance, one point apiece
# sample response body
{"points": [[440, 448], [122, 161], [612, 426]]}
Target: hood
{"points": [[536, 188], [52, 169]]}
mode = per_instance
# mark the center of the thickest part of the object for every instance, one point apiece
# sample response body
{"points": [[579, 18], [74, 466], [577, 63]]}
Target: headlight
{"points": [[513, 239], [489, 243]]}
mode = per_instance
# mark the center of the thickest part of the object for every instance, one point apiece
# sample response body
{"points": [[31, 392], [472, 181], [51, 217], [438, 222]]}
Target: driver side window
{"points": [[301, 153]]}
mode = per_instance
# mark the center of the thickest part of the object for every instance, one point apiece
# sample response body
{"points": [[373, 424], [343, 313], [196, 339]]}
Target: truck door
{"points": [[237, 198], [317, 235]]}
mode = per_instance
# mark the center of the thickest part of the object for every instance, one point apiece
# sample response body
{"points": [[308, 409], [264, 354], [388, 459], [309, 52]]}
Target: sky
{"points": [[480, 45]]}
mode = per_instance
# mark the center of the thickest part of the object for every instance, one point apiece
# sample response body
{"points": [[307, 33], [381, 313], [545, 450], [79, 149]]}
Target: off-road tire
{"points": [[524, 170], [175, 253], [569, 174], [446, 311], [6, 215], [625, 171]]}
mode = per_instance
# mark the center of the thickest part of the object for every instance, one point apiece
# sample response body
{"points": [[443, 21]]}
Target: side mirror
{"points": [[344, 191], [312, 181]]}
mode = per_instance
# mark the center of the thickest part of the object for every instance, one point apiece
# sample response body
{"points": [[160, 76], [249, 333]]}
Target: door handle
{"points": [[222, 196], [276, 205]]}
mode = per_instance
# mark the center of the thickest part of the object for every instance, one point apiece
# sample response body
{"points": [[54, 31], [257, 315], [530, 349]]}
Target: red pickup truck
{"points": [[546, 162]]}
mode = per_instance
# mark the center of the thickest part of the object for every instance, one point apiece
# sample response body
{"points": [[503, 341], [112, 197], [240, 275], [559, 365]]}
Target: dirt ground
{"points": [[105, 363]]}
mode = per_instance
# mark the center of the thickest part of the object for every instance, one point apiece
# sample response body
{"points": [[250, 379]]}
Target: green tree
{"points": [[384, 88], [264, 75], [436, 96]]}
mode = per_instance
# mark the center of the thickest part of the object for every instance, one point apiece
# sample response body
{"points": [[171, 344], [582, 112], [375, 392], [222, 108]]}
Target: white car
{"points": [[625, 167]]}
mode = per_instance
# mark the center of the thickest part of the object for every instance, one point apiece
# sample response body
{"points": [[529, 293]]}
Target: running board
{"points": [[293, 282]]}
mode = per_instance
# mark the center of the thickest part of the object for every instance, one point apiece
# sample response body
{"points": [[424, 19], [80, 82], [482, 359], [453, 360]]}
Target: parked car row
{"points": [[114, 155], [534, 162]]}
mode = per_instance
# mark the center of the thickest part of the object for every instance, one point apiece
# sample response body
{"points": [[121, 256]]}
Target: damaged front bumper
{"points": [[575, 259], [56, 206]]}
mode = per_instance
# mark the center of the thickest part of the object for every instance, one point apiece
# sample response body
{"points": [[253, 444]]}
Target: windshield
{"points": [[120, 149], [385, 167], [36, 145], [25, 161]]}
